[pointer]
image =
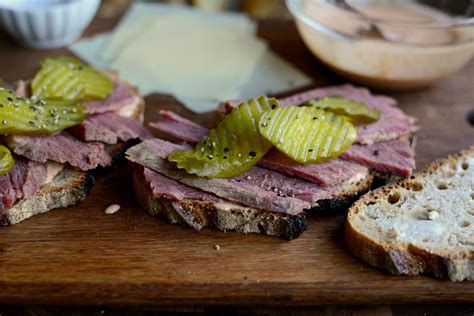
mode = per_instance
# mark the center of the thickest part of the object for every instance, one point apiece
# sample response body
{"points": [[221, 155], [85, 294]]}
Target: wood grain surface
{"points": [[82, 256]]}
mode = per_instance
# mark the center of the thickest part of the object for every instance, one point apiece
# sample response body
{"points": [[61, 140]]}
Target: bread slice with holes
{"points": [[420, 225]]}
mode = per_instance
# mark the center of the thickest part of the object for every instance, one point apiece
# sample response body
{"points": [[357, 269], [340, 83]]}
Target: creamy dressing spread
{"points": [[52, 169], [416, 230], [227, 206]]}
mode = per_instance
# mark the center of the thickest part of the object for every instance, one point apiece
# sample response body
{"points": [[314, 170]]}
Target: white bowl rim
{"points": [[43, 5]]}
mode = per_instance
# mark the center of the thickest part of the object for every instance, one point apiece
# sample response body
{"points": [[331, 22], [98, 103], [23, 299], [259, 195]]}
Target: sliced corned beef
{"points": [[23, 181], [325, 174], [346, 90], [284, 185], [172, 189], [395, 157], [328, 173], [257, 188], [392, 124], [60, 147], [110, 128], [179, 127], [121, 96]]}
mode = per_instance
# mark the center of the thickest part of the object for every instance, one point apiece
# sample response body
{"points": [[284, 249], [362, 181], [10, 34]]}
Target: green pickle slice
{"points": [[21, 115], [231, 148], [307, 134], [357, 112], [6, 160], [66, 78]]}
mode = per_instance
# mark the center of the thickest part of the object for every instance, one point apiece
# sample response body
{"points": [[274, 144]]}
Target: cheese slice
{"points": [[190, 58], [141, 15]]}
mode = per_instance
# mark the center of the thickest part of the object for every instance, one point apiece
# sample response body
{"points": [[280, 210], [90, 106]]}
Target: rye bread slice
{"points": [[423, 224], [69, 187], [197, 214]]}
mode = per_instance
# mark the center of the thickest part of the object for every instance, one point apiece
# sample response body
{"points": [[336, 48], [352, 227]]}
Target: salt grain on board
{"points": [[112, 209]]}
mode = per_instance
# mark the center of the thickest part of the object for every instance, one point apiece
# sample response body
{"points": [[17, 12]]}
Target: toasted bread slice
{"points": [[69, 187], [424, 224], [197, 214]]}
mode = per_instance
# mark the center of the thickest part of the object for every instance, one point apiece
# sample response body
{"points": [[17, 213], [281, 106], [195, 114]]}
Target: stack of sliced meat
{"points": [[110, 121], [277, 183]]}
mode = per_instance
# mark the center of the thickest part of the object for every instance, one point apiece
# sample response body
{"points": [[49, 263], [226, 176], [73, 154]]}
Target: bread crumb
{"points": [[217, 247], [433, 215], [112, 209]]}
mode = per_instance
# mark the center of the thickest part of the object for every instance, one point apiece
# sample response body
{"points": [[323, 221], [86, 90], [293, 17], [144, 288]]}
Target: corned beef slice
{"points": [[392, 124], [23, 180], [328, 173], [395, 156], [325, 174], [172, 189], [179, 127], [60, 147], [257, 188], [110, 128], [120, 97]]}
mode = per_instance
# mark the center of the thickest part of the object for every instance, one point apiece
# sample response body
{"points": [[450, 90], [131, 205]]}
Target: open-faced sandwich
{"points": [[269, 161], [69, 120]]}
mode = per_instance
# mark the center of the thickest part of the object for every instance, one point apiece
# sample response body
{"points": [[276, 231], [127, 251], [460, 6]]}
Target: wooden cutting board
{"points": [[81, 256]]}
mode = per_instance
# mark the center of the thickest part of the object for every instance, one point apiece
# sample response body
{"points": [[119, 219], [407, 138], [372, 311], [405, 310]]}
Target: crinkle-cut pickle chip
{"points": [[307, 134], [231, 148], [6, 160], [21, 115], [66, 78], [357, 112]]}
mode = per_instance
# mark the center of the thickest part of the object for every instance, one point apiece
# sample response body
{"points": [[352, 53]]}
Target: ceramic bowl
{"points": [[417, 43], [46, 23]]}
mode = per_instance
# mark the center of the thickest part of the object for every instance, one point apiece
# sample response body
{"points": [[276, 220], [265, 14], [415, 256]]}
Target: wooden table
{"points": [[81, 256]]}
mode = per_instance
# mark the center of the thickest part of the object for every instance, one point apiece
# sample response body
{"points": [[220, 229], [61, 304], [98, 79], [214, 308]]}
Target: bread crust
{"points": [[350, 192], [407, 259]]}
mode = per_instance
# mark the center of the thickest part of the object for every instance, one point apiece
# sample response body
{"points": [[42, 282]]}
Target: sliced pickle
{"points": [[357, 112], [66, 78], [57, 81], [307, 134], [21, 115], [231, 148], [97, 86], [6, 160]]}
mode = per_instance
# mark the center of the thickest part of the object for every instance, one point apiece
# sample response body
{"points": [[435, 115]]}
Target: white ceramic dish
{"points": [[421, 43], [46, 23]]}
